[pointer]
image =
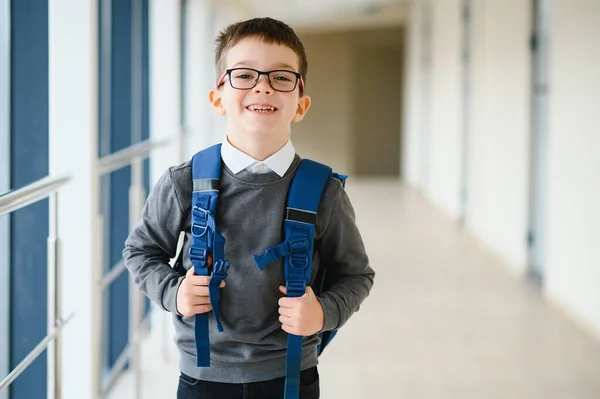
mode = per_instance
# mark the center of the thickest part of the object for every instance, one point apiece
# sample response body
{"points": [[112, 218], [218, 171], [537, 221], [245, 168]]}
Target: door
{"points": [[377, 107]]}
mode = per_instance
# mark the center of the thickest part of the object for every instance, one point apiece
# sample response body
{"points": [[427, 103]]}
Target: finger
{"points": [[287, 312], [199, 280], [199, 300], [190, 272], [289, 329], [287, 321], [199, 290], [287, 302], [203, 281]]}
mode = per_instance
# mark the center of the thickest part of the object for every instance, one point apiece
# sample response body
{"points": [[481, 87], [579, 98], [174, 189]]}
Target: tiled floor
{"points": [[444, 320]]}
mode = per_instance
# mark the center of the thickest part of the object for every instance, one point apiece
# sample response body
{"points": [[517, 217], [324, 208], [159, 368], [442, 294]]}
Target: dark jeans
{"points": [[191, 388]]}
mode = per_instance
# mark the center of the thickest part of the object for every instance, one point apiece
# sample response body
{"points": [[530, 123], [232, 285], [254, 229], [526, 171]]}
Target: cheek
{"points": [[291, 105], [232, 101]]}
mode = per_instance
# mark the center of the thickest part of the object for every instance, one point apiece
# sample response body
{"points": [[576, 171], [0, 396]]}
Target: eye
{"points": [[283, 77]]}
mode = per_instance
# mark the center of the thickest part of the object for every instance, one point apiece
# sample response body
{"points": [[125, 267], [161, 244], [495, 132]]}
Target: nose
{"points": [[263, 85]]}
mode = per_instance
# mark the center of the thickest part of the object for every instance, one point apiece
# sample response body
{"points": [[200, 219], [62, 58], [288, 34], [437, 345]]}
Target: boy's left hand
{"points": [[301, 316]]}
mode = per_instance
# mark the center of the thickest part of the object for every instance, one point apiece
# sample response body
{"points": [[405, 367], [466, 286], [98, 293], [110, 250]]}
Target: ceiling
{"points": [[323, 15]]}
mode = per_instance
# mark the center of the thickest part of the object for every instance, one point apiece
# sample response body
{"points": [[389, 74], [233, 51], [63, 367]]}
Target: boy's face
{"points": [[260, 111]]}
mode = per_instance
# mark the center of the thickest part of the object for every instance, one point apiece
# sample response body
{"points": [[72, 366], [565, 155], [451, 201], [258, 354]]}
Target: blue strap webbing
{"points": [[206, 172], [297, 250]]}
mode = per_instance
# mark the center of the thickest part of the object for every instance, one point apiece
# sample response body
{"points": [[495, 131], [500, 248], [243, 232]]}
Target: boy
{"points": [[248, 359]]}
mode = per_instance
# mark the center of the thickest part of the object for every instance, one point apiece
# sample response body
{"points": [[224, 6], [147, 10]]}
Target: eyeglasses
{"points": [[247, 78]]}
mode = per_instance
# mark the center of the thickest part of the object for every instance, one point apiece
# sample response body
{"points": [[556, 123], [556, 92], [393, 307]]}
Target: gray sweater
{"points": [[250, 212]]}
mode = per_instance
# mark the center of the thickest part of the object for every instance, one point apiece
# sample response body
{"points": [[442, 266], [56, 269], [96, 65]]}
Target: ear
{"points": [[303, 105], [215, 98]]}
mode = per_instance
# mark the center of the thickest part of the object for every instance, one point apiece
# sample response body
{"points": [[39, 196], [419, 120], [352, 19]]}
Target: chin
{"points": [[263, 130], [261, 133]]}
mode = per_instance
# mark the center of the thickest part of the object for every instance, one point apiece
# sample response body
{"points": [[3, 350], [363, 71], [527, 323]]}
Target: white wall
{"points": [[499, 119], [199, 76], [499, 160], [200, 126], [165, 75], [205, 20], [498, 189], [573, 239], [412, 114], [73, 91], [442, 184]]}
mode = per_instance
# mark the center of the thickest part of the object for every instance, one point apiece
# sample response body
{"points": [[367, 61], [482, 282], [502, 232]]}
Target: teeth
{"points": [[264, 109]]}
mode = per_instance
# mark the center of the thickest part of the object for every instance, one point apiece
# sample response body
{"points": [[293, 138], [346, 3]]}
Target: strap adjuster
{"points": [[202, 215], [295, 288], [289, 247], [198, 255]]}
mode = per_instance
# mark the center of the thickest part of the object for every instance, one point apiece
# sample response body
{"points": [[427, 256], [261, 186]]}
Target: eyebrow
{"points": [[278, 65]]}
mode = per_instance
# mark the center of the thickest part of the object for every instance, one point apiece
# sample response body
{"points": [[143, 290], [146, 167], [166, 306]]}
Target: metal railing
{"points": [[132, 156], [48, 188], [44, 188]]}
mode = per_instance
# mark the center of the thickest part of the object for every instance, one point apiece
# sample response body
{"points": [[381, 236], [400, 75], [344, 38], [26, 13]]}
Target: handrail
{"points": [[122, 158], [131, 156], [39, 190], [47, 187], [116, 370], [35, 352], [112, 275]]}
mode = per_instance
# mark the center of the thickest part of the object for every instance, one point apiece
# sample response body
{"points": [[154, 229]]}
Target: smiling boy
{"points": [[260, 91]]}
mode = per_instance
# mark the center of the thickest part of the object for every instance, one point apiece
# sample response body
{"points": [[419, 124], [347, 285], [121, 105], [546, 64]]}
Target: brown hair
{"points": [[269, 30]]}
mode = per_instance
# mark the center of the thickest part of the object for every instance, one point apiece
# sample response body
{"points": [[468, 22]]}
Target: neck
{"points": [[259, 148]]}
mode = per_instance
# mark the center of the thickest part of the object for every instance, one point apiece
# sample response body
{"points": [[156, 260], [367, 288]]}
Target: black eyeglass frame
{"points": [[228, 72]]}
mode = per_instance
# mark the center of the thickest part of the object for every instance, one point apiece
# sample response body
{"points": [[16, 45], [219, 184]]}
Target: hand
{"points": [[301, 316], [192, 295]]}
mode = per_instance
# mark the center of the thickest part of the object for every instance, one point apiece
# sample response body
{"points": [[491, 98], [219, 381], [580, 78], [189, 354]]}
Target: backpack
{"points": [[296, 249]]}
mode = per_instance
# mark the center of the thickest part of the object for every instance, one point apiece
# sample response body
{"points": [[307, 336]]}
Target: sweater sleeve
{"points": [[343, 254], [153, 242]]}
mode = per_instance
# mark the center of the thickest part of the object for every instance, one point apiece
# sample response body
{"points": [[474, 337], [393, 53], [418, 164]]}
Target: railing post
{"points": [[5, 155], [99, 305], [136, 203], [53, 357]]}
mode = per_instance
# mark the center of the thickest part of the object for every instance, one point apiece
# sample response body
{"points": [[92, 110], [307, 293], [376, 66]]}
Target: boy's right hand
{"points": [[192, 296]]}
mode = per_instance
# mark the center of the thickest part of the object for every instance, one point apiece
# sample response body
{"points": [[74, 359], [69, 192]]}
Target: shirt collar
{"points": [[237, 160]]}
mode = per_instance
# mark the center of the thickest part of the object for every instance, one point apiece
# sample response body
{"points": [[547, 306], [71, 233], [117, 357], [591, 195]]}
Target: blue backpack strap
{"points": [[206, 174], [297, 250]]}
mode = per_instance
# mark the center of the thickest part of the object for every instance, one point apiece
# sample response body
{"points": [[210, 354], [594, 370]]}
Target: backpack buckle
{"points": [[202, 215], [289, 247]]}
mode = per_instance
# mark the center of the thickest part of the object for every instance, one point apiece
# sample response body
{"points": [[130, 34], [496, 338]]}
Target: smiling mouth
{"points": [[264, 109]]}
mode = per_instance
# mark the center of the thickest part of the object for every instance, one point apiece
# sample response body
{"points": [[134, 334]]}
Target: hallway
{"points": [[445, 320], [487, 255]]}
